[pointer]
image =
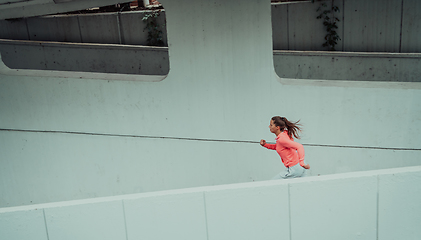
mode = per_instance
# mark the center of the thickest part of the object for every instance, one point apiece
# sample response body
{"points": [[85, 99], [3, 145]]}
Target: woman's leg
{"points": [[291, 172], [295, 171]]}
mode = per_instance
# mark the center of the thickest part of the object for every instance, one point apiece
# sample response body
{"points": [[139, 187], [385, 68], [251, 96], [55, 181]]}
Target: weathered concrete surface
{"points": [[11, 9], [374, 26], [411, 25], [154, 61], [348, 66], [102, 58], [364, 26]]}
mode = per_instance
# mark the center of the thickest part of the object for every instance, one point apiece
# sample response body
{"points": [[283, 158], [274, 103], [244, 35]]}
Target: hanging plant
{"points": [[154, 28], [327, 14]]}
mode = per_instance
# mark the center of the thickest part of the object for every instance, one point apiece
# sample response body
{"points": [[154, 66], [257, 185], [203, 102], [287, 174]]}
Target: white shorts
{"points": [[291, 172]]}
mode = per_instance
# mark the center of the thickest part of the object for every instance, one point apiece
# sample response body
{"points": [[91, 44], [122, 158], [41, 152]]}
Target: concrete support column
{"points": [[206, 38]]}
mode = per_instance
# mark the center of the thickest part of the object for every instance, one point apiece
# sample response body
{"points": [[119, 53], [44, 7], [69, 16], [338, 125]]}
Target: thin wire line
{"points": [[201, 139]]}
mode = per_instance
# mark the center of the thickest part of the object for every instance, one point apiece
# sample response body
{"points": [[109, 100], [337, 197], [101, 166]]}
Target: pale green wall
{"points": [[221, 86]]}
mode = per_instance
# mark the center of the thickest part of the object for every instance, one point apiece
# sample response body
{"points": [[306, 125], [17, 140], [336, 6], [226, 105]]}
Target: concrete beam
{"points": [[24, 9]]}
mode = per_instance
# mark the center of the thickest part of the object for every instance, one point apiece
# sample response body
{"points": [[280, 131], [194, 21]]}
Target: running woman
{"points": [[291, 153]]}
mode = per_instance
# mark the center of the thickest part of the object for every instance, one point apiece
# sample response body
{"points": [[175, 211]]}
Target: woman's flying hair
{"points": [[292, 127]]}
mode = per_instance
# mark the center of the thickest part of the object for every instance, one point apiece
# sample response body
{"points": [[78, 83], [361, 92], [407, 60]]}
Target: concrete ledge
{"points": [[141, 60], [182, 216], [44, 7], [399, 205], [390, 67], [5, 70], [362, 205], [349, 54], [351, 175], [86, 57], [23, 224]]}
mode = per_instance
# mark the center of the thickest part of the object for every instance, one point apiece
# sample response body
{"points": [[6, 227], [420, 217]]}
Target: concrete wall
{"points": [[365, 26], [104, 58], [67, 135], [12, 9], [382, 204], [396, 67], [106, 28], [125, 59]]}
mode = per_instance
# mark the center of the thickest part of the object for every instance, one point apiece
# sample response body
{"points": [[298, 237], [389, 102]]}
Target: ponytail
{"points": [[291, 127]]}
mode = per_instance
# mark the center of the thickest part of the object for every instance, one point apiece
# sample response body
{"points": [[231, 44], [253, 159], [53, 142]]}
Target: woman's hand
{"points": [[262, 142], [306, 166]]}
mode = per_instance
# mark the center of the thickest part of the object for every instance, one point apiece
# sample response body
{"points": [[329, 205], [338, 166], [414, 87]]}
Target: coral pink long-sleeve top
{"points": [[290, 152]]}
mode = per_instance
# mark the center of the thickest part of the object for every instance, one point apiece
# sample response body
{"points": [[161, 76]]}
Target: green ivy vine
{"points": [[327, 14], [154, 28]]}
